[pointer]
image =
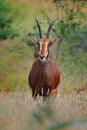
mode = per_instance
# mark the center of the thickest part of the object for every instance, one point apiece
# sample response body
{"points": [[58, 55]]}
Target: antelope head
{"points": [[43, 44]]}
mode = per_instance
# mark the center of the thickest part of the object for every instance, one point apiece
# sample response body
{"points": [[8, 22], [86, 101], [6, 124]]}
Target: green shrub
{"points": [[71, 25], [6, 21]]}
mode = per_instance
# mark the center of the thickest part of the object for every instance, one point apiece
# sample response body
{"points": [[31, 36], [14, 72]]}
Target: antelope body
{"points": [[44, 76]]}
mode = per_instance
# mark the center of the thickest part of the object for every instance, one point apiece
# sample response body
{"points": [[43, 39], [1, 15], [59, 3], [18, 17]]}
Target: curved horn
{"points": [[50, 26], [39, 28]]}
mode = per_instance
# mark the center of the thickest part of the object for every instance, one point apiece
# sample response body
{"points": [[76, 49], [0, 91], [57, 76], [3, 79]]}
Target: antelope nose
{"points": [[42, 56]]}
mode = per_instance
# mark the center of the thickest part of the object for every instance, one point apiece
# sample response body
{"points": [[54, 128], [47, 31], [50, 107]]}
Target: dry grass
{"points": [[18, 110]]}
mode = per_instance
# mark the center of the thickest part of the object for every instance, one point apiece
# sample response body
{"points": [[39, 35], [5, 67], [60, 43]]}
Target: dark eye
{"points": [[38, 45], [48, 45]]}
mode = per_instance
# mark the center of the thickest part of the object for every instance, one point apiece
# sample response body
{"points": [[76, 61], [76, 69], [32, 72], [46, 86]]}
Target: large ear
{"points": [[33, 38], [54, 40]]}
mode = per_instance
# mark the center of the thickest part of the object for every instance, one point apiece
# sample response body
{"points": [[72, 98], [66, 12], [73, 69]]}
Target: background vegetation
{"points": [[17, 19]]}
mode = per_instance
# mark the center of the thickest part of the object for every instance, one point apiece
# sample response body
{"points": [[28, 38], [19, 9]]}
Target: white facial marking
{"points": [[43, 50], [43, 60], [46, 47], [41, 47]]}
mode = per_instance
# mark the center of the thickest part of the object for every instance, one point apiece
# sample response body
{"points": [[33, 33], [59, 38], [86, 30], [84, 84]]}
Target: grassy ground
{"points": [[17, 109], [19, 112]]}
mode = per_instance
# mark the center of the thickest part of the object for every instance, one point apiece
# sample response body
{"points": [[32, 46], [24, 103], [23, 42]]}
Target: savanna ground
{"points": [[18, 111]]}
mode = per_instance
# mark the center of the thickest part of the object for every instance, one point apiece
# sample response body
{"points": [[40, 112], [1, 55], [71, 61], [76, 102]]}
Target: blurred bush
{"points": [[6, 21], [71, 23]]}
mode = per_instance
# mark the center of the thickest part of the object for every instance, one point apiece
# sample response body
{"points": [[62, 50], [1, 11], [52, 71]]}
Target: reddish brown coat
{"points": [[44, 76]]}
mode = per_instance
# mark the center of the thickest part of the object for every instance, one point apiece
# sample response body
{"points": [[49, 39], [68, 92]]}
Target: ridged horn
{"points": [[39, 28], [50, 26]]}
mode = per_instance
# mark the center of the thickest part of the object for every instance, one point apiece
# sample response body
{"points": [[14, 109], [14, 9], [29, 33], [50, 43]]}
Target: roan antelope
{"points": [[44, 76]]}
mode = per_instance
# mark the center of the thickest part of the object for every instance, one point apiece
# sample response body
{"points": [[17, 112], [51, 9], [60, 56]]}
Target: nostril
{"points": [[42, 57]]}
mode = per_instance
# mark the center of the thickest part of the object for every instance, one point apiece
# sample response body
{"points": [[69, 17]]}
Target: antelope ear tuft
{"points": [[54, 40], [33, 38]]}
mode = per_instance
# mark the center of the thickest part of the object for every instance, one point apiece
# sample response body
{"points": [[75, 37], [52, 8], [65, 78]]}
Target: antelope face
{"points": [[43, 44], [43, 49]]}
